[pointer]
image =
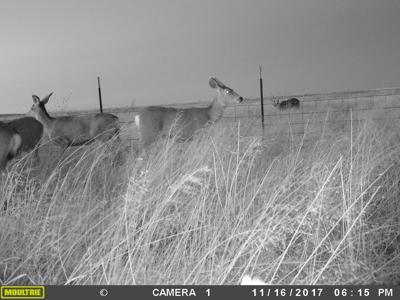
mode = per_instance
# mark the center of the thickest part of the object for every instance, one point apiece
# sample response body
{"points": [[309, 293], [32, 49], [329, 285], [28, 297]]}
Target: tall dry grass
{"points": [[322, 208]]}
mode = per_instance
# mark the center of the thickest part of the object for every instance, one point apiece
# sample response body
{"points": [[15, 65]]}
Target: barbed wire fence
{"points": [[337, 109], [340, 109]]}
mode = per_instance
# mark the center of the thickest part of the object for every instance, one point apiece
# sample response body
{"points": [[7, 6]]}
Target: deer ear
{"points": [[217, 83], [46, 99], [213, 82], [36, 99]]}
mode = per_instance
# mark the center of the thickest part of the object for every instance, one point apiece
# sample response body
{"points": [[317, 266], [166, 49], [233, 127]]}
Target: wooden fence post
{"points": [[100, 100], [261, 98]]}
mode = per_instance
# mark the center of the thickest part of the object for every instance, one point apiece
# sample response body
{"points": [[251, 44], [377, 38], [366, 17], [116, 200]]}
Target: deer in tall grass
{"points": [[286, 104], [31, 132], [69, 131], [156, 121], [10, 142]]}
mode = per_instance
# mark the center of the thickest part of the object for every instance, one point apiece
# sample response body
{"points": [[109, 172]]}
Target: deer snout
{"points": [[240, 99]]}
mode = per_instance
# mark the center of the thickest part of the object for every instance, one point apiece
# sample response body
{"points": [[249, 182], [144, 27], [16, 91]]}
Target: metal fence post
{"points": [[262, 99], [100, 100]]}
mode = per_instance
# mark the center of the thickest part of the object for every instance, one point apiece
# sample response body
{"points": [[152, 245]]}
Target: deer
{"points": [[31, 132], [10, 142], [156, 121], [286, 104], [74, 130]]}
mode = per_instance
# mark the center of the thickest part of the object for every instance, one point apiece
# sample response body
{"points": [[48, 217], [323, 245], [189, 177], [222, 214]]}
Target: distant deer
{"points": [[74, 130], [31, 132], [10, 141], [290, 103], [156, 121]]}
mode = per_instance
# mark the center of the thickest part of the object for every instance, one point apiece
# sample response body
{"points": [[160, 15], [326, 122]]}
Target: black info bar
{"points": [[201, 292]]}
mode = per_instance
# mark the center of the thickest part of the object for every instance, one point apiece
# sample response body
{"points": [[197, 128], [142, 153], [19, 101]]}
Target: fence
{"points": [[337, 108]]}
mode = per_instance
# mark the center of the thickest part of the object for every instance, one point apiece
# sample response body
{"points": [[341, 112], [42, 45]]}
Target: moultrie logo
{"points": [[22, 292]]}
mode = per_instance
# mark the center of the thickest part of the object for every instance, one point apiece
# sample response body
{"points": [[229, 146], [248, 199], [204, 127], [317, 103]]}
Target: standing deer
{"points": [[31, 132], [155, 121], [290, 103], [10, 141], [74, 130]]}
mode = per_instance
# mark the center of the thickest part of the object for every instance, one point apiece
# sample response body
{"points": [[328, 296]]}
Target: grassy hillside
{"points": [[319, 208]]}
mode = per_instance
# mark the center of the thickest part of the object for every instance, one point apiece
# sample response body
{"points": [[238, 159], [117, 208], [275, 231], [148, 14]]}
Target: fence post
{"points": [[100, 100], [261, 98]]}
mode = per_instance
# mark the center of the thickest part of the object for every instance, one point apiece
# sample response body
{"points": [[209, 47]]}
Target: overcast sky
{"points": [[164, 51]]}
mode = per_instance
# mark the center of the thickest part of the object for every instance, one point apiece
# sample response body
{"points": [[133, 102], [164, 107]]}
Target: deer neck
{"points": [[46, 120], [216, 110]]}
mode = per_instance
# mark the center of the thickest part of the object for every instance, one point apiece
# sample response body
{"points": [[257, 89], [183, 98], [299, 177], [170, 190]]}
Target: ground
{"points": [[317, 208]]}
